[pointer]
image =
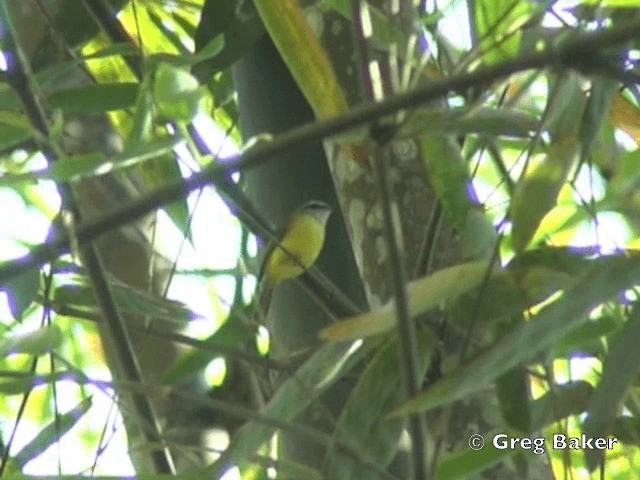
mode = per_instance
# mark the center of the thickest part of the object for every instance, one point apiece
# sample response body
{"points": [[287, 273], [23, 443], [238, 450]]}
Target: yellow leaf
{"points": [[423, 294]]}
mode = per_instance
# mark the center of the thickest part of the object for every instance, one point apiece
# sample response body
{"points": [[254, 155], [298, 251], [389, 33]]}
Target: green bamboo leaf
{"points": [[236, 24], [559, 402], [586, 338], [451, 181], [565, 105], [596, 113], [537, 193], [211, 49], [143, 124], [12, 135], [497, 26], [528, 279], [90, 164], [627, 430], [325, 367], [23, 382], [21, 291], [613, 3], [620, 369], [442, 287], [186, 23], [483, 121], [363, 424], [169, 32], [465, 462], [128, 299], [38, 342], [606, 277], [96, 98], [512, 389], [52, 433], [304, 56]]}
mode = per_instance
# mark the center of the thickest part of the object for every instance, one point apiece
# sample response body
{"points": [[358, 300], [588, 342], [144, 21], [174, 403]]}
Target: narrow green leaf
{"points": [[497, 26], [451, 181], [627, 430], [122, 48], [613, 3], [483, 121], [586, 338], [565, 105], [11, 135], [143, 123], [465, 462], [21, 291], [211, 49], [596, 113], [513, 398], [52, 433], [38, 342], [128, 299], [537, 193], [568, 260], [620, 369], [528, 279], [560, 402], [22, 382], [363, 424], [95, 98], [74, 166], [326, 366], [606, 277], [234, 23], [442, 287], [187, 24]]}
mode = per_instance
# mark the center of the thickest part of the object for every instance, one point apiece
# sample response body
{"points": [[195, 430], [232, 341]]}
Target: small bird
{"points": [[300, 243]]}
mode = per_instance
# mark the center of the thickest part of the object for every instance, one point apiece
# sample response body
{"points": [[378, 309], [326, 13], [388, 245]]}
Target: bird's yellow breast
{"points": [[303, 240]]}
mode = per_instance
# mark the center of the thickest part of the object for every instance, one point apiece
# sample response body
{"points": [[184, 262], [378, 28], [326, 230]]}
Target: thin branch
{"points": [[392, 232], [406, 327], [575, 51]]}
